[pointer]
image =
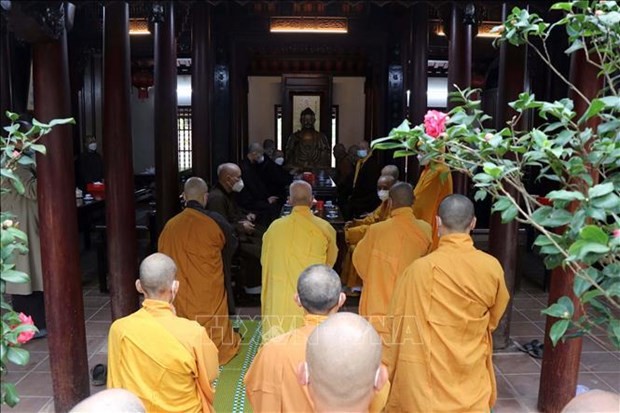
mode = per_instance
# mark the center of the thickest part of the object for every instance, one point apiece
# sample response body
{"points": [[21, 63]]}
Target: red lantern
{"points": [[143, 80]]}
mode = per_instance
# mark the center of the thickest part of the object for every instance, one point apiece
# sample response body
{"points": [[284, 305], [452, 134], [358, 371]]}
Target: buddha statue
{"points": [[308, 148]]}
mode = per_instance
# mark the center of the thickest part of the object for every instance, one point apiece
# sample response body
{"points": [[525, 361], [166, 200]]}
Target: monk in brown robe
{"points": [[308, 148], [196, 240]]}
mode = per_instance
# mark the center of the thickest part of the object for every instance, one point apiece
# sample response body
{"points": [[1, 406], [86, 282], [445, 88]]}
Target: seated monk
{"points": [[290, 245], [110, 400], [385, 251], [434, 185], [343, 370], [354, 230], [169, 362], [307, 148], [196, 239], [391, 170]]}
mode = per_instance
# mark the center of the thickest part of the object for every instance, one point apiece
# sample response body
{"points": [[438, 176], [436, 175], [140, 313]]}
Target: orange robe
{"points": [[353, 233], [271, 381], [381, 257], [434, 185], [290, 245], [442, 314], [167, 361], [195, 242]]}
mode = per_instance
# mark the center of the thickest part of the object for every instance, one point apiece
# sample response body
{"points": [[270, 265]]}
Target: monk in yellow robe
{"points": [[355, 230], [167, 361], [343, 370], [434, 185], [290, 245], [442, 314], [385, 251], [198, 241]]}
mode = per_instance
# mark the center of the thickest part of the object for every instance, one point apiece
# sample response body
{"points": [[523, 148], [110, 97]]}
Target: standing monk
{"points": [[434, 185], [199, 240], [290, 245], [385, 251], [442, 314], [169, 362]]}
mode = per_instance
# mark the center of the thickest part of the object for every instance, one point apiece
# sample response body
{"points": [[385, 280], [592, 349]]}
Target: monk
{"points": [[434, 185], [110, 400], [441, 316], [343, 370], [290, 245], [391, 170], [167, 361], [197, 239], [363, 198], [355, 230], [385, 251], [271, 383]]}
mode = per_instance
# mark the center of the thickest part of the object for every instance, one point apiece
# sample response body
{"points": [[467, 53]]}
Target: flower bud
{"points": [[8, 223], [616, 233]]}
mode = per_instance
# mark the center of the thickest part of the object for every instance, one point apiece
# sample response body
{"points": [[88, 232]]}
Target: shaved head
{"points": [[401, 195], [157, 272], [195, 189], [300, 193], [385, 182], [363, 145], [343, 356], [353, 150], [227, 169], [594, 401], [319, 288], [255, 147], [110, 400], [391, 170], [456, 213]]}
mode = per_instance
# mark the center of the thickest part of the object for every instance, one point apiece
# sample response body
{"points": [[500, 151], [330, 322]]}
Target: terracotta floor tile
{"points": [[35, 358], [525, 329], [527, 303], [612, 380], [515, 364], [95, 302], [518, 316], [97, 328], [526, 385], [39, 344], [102, 315], [593, 381], [601, 362], [530, 404], [36, 384], [94, 344], [28, 405], [504, 391], [508, 406], [534, 315], [591, 345]]}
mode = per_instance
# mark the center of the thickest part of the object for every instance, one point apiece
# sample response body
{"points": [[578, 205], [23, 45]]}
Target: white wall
{"points": [[265, 92], [143, 130]]}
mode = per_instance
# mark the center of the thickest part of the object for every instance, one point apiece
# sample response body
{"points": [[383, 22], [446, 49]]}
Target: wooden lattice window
{"points": [[184, 130]]}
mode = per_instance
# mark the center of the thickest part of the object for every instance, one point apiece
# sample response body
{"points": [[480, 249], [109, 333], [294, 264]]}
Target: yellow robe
{"points": [[167, 361], [381, 257], [195, 242], [353, 233], [290, 245], [271, 381], [442, 314], [434, 185]]}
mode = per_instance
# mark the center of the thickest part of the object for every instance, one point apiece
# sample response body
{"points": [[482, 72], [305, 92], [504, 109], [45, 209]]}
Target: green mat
{"points": [[230, 392]]}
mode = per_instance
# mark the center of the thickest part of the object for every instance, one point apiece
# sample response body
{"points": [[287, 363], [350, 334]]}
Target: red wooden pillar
{"points": [[166, 145], [202, 95], [62, 277], [504, 238], [120, 200], [560, 365], [459, 69], [5, 75]]}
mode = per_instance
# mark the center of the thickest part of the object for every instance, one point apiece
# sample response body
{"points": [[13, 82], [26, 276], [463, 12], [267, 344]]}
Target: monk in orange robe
{"points": [[434, 185], [169, 362], [385, 251], [198, 240], [355, 230], [343, 370], [441, 316]]}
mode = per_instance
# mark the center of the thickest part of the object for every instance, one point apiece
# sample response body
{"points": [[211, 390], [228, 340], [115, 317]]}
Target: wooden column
{"points": [[62, 277], [560, 365], [120, 199], [459, 69], [5, 76], [504, 238], [202, 96], [166, 147], [419, 77]]}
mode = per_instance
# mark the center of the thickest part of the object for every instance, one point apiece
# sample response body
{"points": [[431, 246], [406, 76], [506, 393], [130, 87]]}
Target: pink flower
{"points": [[435, 123], [25, 336], [488, 137], [616, 233]]}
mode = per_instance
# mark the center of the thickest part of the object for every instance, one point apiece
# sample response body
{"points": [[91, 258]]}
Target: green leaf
{"points": [[566, 195], [590, 295], [612, 102], [577, 45], [492, 170], [608, 202], [15, 181], [596, 105], [613, 331], [12, 116], [568, 304], [580, 286], [556, 310], [39, 148], [11, 398], [17, 277], [71, 121], [582, 250], [18, 356], [509, 214], [557, 330], [480, 195], [565, 5], [600, 190], [388, 145], [593, 233], [501, 204]]}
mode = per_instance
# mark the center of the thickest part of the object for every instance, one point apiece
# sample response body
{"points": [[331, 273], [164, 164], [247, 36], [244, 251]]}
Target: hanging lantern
{"points": [[143, 80]]}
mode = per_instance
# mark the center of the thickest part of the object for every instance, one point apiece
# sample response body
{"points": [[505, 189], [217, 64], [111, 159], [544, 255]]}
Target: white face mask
{"points": [[238, 186], [362, 153], [261, 159], [92, 146], [383, 194], [279, 161]]}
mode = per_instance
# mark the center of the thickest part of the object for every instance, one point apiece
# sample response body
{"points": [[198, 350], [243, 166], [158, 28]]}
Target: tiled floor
{"points": [[517, 373]]}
